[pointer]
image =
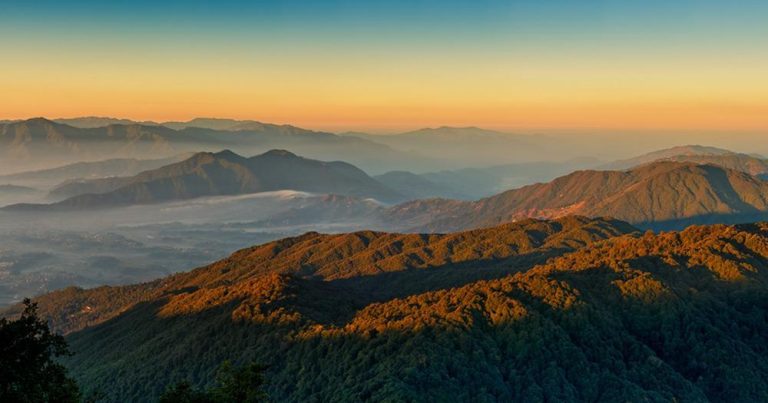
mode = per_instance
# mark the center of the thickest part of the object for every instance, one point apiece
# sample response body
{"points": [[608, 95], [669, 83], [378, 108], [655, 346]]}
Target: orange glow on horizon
{"points": [[390, 96]]}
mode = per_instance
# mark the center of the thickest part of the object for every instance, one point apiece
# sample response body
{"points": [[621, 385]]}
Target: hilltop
{"points": [[749, 163]]}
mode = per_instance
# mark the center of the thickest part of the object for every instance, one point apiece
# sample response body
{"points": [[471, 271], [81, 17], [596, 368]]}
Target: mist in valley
{"points": [[51, 250], [45, 248]]}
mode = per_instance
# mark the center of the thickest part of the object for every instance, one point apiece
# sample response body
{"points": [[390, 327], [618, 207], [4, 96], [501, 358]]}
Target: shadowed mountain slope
{"points": [[226, 173], [675, 316], [662, 193], [352, 257]]}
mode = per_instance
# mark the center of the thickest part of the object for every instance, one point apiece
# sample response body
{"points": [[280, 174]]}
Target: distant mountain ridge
{"points": [[752, 165], [77, 187], [92, 122], [88, 170], [26, 142], [471, 146], [656, 194], [14, 189], [227, 173], [686, 153], [37, 142]]}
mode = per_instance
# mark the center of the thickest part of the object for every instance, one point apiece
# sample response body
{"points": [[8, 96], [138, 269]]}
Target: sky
{"points": [[677, 66]]}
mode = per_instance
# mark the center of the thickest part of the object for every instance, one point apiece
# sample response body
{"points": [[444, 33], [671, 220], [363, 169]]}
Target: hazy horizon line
{"points": [[395, 128]]}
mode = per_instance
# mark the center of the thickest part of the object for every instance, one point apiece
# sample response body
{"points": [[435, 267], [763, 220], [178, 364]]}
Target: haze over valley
{"points": [[383, 201], [128, 219]]}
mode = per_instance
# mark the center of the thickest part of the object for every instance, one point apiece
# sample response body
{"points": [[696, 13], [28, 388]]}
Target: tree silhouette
{"points": [[28, 372]]}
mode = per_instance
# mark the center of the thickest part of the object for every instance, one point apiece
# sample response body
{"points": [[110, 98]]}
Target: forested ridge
{"points": [[660, 195], [617, 316], [401, 264]]}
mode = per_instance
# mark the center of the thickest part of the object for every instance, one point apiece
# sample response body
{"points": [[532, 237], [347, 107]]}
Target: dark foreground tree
{"points": [[233, 385], [28, 372]]}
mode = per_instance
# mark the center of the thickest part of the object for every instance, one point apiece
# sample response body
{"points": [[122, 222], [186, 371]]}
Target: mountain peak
{"points": [[279, 153], [227, 154], [207, 156], [38, 121]]}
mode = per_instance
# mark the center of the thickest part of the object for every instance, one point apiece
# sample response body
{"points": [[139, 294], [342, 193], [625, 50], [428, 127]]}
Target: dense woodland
{"points": [[618, 316]]}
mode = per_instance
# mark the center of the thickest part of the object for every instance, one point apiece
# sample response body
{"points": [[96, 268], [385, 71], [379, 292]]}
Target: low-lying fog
{"points": [[43, 251]]}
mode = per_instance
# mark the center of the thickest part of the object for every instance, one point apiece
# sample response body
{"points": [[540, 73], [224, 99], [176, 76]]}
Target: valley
{"points": [[170, 214], [383, 201]]}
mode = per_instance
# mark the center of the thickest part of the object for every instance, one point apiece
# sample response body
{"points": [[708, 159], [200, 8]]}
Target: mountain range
{"points": [[203, 123], [48, 178], [656, 195], [41, 143], [222, 173], [545, 290], [574, 309], [717, 186]]}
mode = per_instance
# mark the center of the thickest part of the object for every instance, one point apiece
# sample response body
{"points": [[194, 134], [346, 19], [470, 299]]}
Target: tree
{"points": [[233, 385], [183, 392], [28, 371], [240, 384]]}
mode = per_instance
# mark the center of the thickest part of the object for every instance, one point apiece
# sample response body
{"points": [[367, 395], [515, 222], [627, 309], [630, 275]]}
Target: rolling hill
{"points": [[226, 173], [364, 316], [656, 195], [365, 257]]}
